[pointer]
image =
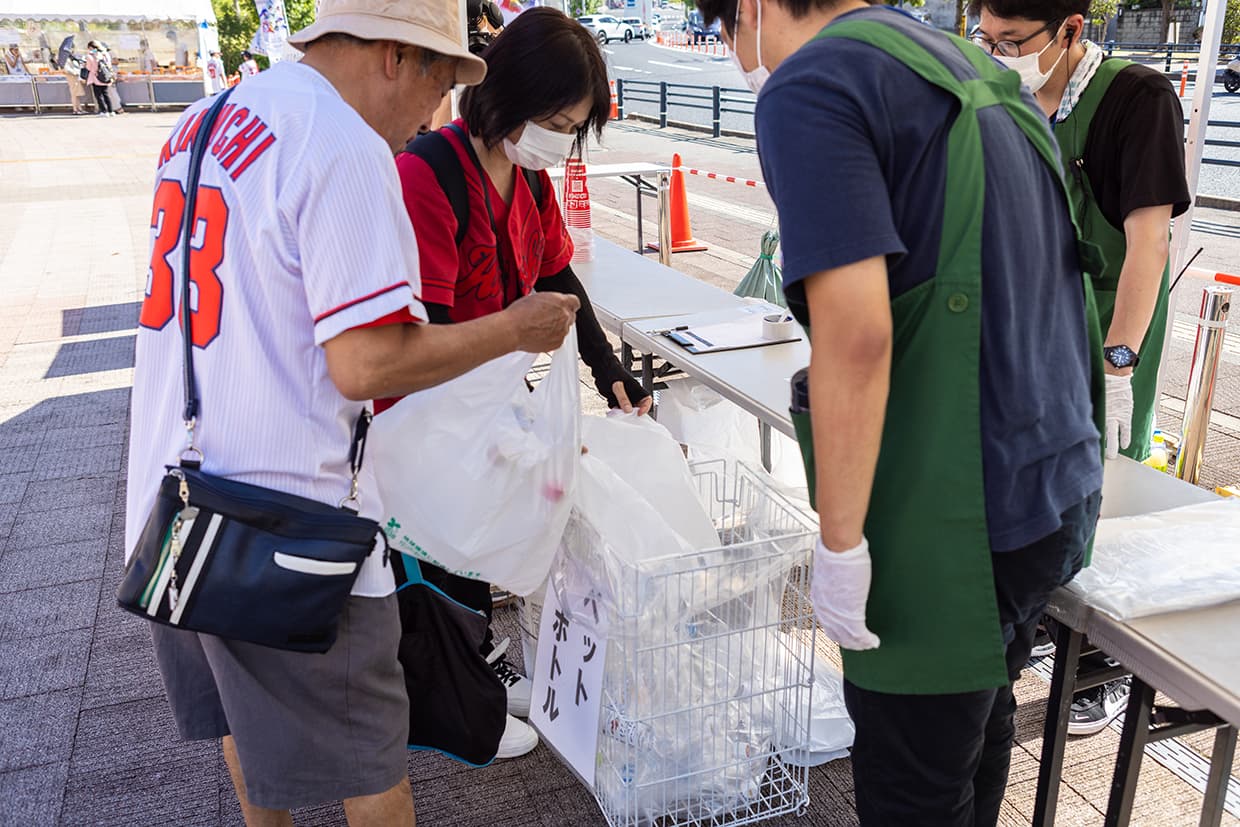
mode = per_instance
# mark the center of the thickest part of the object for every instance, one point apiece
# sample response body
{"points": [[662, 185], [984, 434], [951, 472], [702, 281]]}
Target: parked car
{"points": [[1231, 75], [640, 29], [698, 31], [606, 28]]}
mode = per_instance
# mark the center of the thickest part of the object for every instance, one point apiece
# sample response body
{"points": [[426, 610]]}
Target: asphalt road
{"points": [[639, 63]]}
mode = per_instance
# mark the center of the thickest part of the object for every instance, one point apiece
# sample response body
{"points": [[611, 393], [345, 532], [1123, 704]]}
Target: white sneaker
{"points": [[519, 739], [520, 688]]}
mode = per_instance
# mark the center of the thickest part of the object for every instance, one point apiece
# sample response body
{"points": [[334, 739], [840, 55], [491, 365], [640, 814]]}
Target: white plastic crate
{"points": [[709, 660]]}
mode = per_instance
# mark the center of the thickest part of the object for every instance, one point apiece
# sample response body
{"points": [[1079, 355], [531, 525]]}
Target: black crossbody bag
{"points": [[236, 560]]}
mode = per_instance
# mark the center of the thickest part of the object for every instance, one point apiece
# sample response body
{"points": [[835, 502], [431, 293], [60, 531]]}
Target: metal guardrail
{"points": [[1169, 53], [719, 100]]}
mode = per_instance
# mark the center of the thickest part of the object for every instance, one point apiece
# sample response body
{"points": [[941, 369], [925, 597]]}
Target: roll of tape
{"points": [[777, 326]]}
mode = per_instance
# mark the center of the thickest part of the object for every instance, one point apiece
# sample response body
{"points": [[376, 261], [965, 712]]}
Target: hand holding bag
{"points": [[236, 560]]}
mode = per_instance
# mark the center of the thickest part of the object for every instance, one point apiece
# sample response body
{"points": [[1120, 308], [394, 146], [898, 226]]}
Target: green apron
{"points": [[932, 598], [1072, 134]]}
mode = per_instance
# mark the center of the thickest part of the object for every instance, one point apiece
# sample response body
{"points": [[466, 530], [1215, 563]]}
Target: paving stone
{"points": [[100, 319], [32, 796], [59, 463], [93, 356], [37, 529], [48, 610], [13, 487], [122, 664], [129, 767], [78, 492], [38, 729], [38, 566], [21, 458], [44, 664]]}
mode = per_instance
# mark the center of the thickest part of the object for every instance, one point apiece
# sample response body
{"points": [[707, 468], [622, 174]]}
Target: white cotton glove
{"points": [[1119, 414], [839, 589]]}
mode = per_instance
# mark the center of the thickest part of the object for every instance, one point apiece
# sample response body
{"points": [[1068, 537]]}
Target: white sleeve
{"points": [[359, 259]]}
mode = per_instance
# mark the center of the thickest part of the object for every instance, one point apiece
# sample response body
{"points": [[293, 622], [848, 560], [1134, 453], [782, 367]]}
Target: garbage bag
{"points": [[1173, 560], [764, 280], [477, 475]]}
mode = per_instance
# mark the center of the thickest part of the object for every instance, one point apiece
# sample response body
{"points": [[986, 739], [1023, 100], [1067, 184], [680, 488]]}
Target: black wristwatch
{"points": [[1121, 356]]}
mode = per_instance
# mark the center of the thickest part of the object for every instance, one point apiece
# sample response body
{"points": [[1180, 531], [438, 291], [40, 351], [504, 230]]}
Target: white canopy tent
{"points": [[197, 14]]}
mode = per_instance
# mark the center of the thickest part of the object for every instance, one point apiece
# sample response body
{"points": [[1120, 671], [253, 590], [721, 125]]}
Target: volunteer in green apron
{"points": [[951, 387], [1120, 129]]}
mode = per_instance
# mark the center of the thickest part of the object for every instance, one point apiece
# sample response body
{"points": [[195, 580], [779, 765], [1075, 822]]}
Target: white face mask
{"points": [[756, 79], [1027, 65], [539, 148]]}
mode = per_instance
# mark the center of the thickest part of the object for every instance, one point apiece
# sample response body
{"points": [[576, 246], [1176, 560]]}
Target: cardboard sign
{"points": [[568, 679]]}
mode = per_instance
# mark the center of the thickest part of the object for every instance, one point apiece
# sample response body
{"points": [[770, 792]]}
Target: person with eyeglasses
{"points": [[1120, 132]]}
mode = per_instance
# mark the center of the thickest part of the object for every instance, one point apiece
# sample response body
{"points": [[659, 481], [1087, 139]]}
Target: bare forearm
{"points": [[848, 400], [1141, 277], [397, 360]]}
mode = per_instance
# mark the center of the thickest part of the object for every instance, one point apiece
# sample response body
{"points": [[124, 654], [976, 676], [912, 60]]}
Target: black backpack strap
{"points": [[439, 154], [535, 182]]}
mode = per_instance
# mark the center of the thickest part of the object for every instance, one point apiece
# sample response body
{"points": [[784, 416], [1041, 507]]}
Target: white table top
{"points": [[625, 286], [1191, 656], [758, 379], [615, 170]]}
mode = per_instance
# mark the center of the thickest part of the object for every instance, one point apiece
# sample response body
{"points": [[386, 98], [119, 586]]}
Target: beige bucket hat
{"points": [[431, 24]]}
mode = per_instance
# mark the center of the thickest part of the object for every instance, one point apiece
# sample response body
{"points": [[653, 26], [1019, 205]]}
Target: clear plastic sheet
{"points": [[1183, 558]]}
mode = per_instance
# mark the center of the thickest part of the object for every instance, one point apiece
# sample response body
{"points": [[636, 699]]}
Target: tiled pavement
{"points": [[85, 735]]}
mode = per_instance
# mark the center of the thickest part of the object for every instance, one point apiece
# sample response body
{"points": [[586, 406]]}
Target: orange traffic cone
{"points": [[682, 234], [615, 107]]}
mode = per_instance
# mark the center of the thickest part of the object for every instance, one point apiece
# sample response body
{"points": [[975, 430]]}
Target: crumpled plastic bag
{"points": [[477, 475], [1182, 558]]}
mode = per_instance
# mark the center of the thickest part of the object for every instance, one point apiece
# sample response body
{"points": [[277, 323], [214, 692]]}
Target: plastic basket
{"points": [[709, 663]]}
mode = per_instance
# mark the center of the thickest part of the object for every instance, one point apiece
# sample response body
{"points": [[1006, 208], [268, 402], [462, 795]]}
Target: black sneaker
{"points": [[1094, 709], [1043, 643]]}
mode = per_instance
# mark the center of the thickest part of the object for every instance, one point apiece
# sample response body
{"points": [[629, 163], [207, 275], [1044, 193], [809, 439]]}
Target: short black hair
{"points": [[725, 10], [246, 55], [539, 64], [1040, 11]]}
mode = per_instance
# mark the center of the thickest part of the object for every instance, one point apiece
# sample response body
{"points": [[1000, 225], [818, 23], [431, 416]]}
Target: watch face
{"points": [[1121, 356]]}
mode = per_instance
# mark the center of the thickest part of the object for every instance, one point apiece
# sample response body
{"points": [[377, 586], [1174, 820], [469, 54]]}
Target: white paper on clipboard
{"points": [[743, 330]]}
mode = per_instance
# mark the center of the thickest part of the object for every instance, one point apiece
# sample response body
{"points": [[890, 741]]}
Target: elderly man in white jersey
{"points": [[305, 271]]}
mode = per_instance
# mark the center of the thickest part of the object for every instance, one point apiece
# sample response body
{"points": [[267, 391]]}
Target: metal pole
{"points": [[665, 218], [620, 98], [34, 92], [662, 104], [715, 106], [1194, 147], [1211, 328]]}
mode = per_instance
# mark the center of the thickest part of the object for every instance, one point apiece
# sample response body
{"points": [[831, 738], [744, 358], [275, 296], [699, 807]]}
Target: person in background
{"points": [[72, 70], [950, 391], [114, 89], [1120, 130], [248, 67], [99, 75], [545, 92], [216, 74], [13, 61]]}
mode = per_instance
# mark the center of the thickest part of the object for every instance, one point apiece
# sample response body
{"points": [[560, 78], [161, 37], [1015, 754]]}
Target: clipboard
{"points": [[735, 334]]}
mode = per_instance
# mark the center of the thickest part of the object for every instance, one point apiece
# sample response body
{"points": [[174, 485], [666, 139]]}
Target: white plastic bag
{"points": [[477, 475], [1182, 558], [642, 453]]}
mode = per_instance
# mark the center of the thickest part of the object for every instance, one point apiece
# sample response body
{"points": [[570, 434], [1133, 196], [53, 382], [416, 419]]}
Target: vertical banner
{"points": [[271, 39]]}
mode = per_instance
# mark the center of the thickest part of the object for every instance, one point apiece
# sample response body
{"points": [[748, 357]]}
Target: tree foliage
{"points": [[1231, 22], [1101, 11], [238, 20]]}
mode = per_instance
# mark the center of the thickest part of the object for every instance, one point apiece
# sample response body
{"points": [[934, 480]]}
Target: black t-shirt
{"points": [[1134, 153]]}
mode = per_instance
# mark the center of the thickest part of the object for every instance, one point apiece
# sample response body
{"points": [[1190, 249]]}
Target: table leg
{"points": [[764, 438], [648, 381], [1220, 773], [1055, 731], [1131, 749], [641, 240]]}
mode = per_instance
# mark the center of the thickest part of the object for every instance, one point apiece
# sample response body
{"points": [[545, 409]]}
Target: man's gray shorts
{"points": [[309, 728]]}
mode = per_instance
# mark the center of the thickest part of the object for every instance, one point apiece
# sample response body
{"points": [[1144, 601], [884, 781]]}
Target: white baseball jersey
{"points": [[301, 235], [248, 68], [216, 74]]}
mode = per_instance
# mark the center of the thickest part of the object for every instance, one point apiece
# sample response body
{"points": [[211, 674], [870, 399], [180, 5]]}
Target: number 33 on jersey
{"points": [[208, 228]]}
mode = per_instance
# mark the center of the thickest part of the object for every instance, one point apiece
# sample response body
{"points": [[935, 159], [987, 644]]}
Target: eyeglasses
{"points": [[1007, 48]]}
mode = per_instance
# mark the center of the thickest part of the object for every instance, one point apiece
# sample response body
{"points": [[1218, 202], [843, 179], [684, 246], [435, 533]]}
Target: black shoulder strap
{"points": [[439, 154], [535, 182]]}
